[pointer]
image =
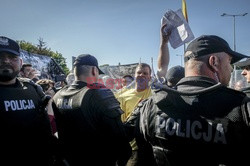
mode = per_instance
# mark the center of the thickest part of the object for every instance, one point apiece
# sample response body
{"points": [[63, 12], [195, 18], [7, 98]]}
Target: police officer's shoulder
{"points": [[62, 88], [233, 92], [106, 100], [162, 93], [102, 93], [28, 82]]}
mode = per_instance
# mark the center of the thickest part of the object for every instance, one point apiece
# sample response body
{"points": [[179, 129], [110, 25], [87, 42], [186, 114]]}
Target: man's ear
{"points": [[214, 63], [21, 64], [94, 71]]}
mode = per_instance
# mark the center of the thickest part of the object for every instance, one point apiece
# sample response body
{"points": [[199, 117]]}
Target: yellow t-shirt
{"points": [[129, 99]]}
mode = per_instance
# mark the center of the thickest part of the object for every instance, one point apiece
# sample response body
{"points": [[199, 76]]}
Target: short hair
{"points": [[143, 65], [82, 70], [25, 65]]}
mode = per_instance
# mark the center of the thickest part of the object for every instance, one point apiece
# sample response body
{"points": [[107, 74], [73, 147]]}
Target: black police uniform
{"points": [[203, 123], [89, 125], [24, 125]]}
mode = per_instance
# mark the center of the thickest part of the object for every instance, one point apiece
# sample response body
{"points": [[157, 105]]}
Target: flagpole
{"points": [[184, 11], [184, 48]]}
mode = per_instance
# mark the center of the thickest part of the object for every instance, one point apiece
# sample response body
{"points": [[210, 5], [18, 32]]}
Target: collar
{"points": [[79, 84], [194, 83]]}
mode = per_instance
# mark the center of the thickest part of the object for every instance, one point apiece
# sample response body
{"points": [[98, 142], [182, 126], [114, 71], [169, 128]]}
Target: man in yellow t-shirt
{"points": [[130, 98]]}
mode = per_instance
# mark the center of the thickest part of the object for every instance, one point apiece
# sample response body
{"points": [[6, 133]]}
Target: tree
{"points": [[61, 61], [27, 46], [42, 49]]}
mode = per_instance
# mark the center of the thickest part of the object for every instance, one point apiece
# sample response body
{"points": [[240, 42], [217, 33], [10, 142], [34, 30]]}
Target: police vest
{"points": [[83, 118], [20, 107], [24, 125], [77, 111], [202, 124]]}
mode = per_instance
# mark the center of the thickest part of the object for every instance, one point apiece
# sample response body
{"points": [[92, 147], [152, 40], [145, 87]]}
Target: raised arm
{"points": [[163, 57]]}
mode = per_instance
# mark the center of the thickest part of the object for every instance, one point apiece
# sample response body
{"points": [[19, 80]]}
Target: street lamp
{"points": [[234, 15]]}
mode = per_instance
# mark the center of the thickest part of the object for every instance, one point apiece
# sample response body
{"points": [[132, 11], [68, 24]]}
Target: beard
{"points": [[7, 74]]}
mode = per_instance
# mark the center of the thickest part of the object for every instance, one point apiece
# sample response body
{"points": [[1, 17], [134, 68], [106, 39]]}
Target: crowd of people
{"points": [[189, 116]]}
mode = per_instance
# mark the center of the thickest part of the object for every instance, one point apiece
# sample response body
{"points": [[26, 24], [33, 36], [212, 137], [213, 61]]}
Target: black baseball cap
{"points": [[208, 44], [174, 74], [87, 59], [9, 45], [243, 64]]}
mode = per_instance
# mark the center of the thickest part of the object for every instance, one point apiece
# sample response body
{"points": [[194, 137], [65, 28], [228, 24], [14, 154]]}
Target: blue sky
{"points": [[118, 30]]}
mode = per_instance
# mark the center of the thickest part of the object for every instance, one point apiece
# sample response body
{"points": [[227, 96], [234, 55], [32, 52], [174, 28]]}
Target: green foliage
{"points": [[104, 65], [61, 61], [27, 46], [41, 49]]}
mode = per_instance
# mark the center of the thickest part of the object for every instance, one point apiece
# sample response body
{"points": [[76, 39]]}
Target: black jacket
{"points": [[89, 125], [26, 136], [202, 123]]}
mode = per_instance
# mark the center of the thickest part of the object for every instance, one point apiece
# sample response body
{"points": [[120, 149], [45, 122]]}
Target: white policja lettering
{"points": [[14, 105], [191, 129]]}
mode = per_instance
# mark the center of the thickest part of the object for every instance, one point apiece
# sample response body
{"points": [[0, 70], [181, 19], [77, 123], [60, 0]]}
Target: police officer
{"points": [[245, 65], [88, 119], [203, 122], [25, 128]]}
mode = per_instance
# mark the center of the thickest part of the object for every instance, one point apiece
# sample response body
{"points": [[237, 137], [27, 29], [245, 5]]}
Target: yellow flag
{"points": [[184, 9]]}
